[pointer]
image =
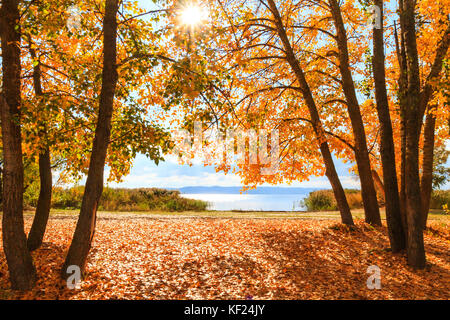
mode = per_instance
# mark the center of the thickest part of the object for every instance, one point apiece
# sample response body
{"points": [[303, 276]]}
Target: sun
{"points": [[193, 15]]}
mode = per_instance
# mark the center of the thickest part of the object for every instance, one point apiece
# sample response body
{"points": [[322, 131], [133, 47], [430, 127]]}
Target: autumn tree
{"points": [[20, 265], [415, 246], [123, 127], [339, 61], [371, 209], [231, 74], [38, 227], [387, 149], [429, 107], [307, 95], [84, 231], [58, 111], [414, 97]]}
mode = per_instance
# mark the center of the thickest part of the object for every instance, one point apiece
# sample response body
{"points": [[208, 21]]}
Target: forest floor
{"points": [[188, 256], [434, 214]]}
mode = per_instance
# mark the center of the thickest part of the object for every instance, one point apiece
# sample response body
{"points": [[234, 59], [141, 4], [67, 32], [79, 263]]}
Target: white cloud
{"points": [[177, 181]]}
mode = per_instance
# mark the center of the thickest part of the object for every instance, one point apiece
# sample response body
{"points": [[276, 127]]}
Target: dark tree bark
{"points": [[426, 182], [403, 167], [387, 150], [85, 228], [369, 195], [331, 172], [415, 245], [21, 269], [401, 94], [42, 213], [1, 169]]}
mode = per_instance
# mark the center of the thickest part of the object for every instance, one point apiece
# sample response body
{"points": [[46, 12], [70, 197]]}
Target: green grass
{"points": [[357, 214]]}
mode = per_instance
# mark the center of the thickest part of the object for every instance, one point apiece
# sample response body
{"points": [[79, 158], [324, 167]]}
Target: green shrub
{"points": [[320, 200], [323, 200], [121, 199], [67, 198], [439, 198]]}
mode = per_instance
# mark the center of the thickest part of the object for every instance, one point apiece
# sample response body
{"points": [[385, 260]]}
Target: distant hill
{"points": [[236, 190]]}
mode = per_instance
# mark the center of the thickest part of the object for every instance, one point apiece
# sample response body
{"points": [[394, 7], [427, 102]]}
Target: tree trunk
{"points": [[387, 150], [415, 245], [21, 269], [338, 190], [1, 168], [42, 213], [85, 228], [403, 168], [39, 225], [426, 182], [331, 172], [401, 94], [369, 195]]}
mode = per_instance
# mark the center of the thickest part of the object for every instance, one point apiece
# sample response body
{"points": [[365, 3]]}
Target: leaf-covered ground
{"points": [[183, 258]]}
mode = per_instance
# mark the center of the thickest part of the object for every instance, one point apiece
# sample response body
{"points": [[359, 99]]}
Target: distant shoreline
{"points": [[238, 190]]}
